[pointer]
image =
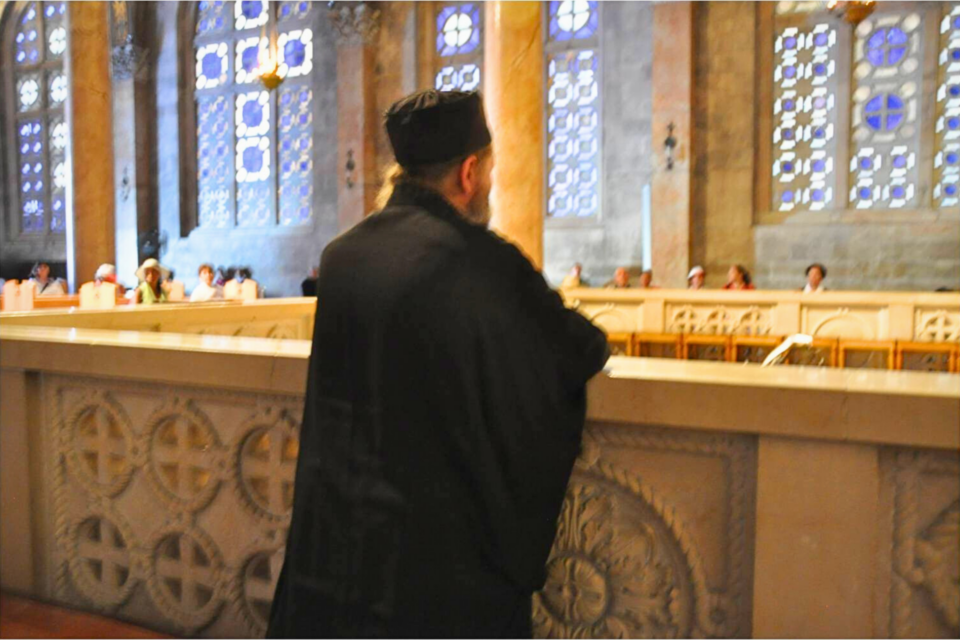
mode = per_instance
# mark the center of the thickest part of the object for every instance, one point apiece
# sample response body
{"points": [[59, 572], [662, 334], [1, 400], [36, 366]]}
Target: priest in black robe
{"points": [[444, 408]]}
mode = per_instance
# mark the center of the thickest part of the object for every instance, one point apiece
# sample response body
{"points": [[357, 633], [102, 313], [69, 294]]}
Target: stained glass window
{"points": [[946, 191], [805, 113], [38, 128], [573, 110], [254, 146], [459, 46], [885, 111]]}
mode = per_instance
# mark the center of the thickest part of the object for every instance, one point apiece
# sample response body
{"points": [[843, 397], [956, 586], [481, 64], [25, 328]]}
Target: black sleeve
{"points": [[580, 345]]}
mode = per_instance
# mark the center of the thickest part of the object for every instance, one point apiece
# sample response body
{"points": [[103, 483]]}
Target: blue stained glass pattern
{"points": [[805, 112], [573, 135], [31, 138], [253, 170], [249, 52], [296, 53], [250, 14], [458, 29], [946, 168], [212, 16], [293, 10], [214, 177], [211, 65], [255, 204], [295, 157], [572, 20], [885, 127], [28, 36]]}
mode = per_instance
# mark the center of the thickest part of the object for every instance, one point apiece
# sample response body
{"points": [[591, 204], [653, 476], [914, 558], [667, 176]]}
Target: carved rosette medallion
{"points": [[101, 564], [98, 445], [615, 570], [184, 462], [185, 576], [266, 462]]}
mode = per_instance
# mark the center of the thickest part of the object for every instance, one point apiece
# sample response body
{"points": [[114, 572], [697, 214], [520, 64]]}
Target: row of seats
{"points": [[823, 352]]}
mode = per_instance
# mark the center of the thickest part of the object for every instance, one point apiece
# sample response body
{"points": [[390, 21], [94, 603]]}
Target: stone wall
{"points": [[280, 258], [615, 240]]}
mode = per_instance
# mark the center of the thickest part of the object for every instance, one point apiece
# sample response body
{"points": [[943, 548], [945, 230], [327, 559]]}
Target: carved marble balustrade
{"points": [[149, 476]]}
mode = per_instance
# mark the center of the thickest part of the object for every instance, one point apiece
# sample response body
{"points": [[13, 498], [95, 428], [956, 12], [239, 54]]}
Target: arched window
{"points": [[885, 113], [573, 109], [254, 145], [459, 46], [35, 137]]}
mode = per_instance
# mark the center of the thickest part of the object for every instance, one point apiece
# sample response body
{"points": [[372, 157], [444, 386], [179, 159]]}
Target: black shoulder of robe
{"points": [[444, 410]]}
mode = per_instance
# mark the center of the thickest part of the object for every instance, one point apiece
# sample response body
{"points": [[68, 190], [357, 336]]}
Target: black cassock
{"points": [[444, 409]]}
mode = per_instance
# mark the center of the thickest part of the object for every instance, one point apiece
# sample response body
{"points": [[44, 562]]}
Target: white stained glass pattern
{"points": [[573, 135], [295, 140], [805, 113], [885, 111], [253, 154], [296, 53], [250, 14], [464, 77], [946, 191], [41, 89], [214, 175], [212, 65], [28, 91], [249, 53]]}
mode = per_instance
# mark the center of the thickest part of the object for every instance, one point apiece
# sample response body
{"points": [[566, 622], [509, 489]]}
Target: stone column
{"points": [[357, 25], [90, 235], [672, 104], [514, 96]]}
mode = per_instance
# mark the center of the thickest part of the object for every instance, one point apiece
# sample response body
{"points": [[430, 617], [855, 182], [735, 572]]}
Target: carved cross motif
{"points": [[180, 452], [185, 571], [101, 445], [938, 328], [268, 465], [259, 582], [104, 552]]}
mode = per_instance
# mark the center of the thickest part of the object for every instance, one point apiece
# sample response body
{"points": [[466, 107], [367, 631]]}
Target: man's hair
{"points": [[205, 266], [823, 269], [430, 175]]}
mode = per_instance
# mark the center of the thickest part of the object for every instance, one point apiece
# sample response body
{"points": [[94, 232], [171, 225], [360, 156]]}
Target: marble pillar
{"points": [[672, 104], [91, 238], [357, 26], [514, 95]]}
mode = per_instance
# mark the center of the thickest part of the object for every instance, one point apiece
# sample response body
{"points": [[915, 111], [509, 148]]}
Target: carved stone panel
{"points": [[640, 551], [920, 596], [149, 486]]}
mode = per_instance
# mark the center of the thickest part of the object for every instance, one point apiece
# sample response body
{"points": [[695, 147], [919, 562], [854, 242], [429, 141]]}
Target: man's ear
{"points": [[469, 176]]}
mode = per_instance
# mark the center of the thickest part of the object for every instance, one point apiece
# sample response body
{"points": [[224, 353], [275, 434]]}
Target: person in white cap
{"points": [[151, 273], [105, 273], [695, 278]]}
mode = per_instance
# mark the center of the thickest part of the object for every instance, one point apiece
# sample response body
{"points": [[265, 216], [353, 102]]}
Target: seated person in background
{"points": [[621, 279], [815, 275], [218, 278], [47, 286], [309, 286], [206, 290], [738, 278], [105, 273], [696, 277], [150, 275], [646, 279], [574, 279]]}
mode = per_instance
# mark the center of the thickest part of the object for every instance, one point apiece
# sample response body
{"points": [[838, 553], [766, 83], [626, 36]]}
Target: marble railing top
{"points": [[891, 407], [702, 296]]}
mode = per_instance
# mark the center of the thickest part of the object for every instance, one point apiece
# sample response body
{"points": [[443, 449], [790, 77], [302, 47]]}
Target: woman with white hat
{"points": [[151, 273], [696, 277]]}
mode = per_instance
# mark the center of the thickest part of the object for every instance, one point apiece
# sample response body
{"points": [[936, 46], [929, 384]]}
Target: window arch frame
{"points": [[188, 144], [15, 241]]}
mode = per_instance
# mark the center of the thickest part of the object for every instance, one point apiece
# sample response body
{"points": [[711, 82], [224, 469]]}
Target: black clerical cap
{"points": [[430, 127]]}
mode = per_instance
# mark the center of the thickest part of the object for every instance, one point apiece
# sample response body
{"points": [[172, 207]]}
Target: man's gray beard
{"points": [[478, 211]]}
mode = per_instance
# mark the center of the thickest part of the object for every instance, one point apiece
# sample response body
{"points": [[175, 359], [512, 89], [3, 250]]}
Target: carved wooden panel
{"points": [[856, 323], [655, 538], [614, 318], [920, 580], [748, 320], [936, 325], [168, 506]]}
